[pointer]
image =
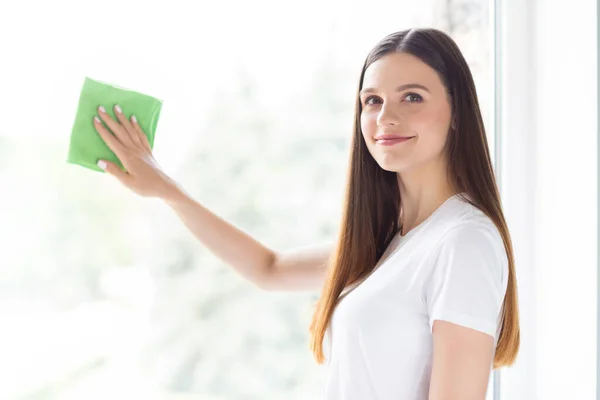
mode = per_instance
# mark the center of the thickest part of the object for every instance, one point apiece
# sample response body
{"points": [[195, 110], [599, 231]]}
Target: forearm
{"points": [[230, 244]]}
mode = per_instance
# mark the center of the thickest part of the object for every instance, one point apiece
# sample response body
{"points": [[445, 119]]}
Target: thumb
{"points": [[113, 170]]}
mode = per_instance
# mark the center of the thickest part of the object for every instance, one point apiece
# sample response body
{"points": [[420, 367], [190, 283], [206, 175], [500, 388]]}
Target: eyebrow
{"points": [[398, 89]]}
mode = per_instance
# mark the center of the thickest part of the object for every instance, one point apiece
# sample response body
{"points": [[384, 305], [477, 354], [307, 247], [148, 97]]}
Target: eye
{"points": [[413, 98], [409, 97], [369, 99]]}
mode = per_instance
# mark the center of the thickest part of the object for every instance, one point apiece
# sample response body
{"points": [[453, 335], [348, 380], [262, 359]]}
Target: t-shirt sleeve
{"points": [[467, 281]]}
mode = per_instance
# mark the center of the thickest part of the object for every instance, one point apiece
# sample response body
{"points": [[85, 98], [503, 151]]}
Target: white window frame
{"points": [[546, 52]]}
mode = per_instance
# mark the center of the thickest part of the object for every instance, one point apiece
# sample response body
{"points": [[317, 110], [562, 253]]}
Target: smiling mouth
{"points": [[392, 141]]}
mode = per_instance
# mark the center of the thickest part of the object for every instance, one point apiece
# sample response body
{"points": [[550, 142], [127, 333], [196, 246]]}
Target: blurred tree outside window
{"points": [[106, 295]]}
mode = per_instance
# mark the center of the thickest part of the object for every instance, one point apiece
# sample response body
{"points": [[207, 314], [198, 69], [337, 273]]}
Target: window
{"points": [[106, 294]]}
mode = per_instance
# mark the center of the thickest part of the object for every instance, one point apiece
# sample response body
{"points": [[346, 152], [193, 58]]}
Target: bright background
{"points": [[106, 295]]}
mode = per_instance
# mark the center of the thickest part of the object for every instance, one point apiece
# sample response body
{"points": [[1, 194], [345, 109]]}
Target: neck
{"points": [[422, 192]]}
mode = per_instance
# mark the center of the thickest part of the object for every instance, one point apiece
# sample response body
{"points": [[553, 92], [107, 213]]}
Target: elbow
{"points": [[266, 279]]}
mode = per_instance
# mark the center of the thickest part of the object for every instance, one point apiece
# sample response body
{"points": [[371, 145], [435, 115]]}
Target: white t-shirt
{"points": [[453, 267]]}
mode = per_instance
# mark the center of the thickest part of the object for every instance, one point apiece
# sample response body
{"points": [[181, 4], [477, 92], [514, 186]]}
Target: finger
{"points": [[111, 141], [115, 127], [141, 135], [128, 127], [115, 171]]}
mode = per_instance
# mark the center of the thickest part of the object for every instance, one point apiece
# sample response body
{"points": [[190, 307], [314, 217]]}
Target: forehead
{"points": [[396, 69]]}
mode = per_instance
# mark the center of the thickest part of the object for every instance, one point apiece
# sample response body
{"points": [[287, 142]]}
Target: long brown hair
{"points": [[372, 201]]}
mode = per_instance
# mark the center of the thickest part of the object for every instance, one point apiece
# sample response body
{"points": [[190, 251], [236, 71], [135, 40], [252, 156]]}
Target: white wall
{"points": [[548, 172]]}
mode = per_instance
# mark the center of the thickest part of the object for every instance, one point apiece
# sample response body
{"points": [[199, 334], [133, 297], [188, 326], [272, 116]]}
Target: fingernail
{"points": [[101, 109], [97, 119], [134, 119], [118, 109], [102, 164]]}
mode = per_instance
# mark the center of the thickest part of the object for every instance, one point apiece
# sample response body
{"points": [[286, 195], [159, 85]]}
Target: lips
{"points": [[391, 140], [386, 136], [390, 137]]}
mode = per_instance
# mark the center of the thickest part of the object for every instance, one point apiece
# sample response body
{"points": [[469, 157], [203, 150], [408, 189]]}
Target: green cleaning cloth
{"points": [[86, 145]]}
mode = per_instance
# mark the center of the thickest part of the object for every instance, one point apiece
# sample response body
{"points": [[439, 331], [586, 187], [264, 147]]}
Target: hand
{"points": [[143, 175]]}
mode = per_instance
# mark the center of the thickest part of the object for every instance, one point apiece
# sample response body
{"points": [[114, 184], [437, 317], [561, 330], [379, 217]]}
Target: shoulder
{"points": [[465, 221], [472, 239]]}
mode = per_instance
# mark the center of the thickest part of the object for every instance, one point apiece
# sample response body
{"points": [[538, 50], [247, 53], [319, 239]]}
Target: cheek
{"points": [[431, 124], [368, 125]]}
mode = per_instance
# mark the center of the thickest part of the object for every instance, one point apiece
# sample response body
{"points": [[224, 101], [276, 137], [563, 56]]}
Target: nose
{"points": [[387, 117]]}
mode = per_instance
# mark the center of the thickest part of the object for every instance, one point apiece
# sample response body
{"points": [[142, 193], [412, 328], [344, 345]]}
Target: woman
{"points": [[419, 298]]}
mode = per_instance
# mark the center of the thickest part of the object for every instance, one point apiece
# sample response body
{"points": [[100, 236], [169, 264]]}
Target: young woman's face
{"points": [[402, 96]]}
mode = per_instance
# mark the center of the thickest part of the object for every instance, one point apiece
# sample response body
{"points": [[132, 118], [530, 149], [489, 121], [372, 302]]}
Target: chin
{"points": [[393, 165]]}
